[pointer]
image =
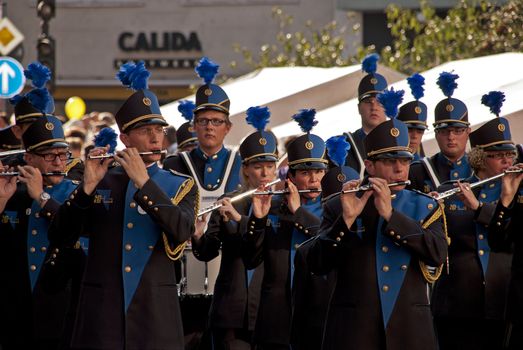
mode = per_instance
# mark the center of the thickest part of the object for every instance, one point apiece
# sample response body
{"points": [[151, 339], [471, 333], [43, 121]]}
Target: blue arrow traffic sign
{"points": [[12, 77]]}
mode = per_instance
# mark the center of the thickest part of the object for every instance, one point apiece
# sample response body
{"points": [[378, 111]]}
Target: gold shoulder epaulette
{"points": [[72, 164], [177, 252], [425, 270]]}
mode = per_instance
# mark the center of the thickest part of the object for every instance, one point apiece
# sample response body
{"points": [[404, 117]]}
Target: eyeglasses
{"points": [[149, 131], [205, 122], [501, 155], [50, 157], [447, 131]]}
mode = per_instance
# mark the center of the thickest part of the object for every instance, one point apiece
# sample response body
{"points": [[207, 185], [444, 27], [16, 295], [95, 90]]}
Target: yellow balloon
{"points": [[74, 108]]}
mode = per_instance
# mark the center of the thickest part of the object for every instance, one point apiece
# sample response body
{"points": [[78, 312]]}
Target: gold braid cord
{"points": [[72, 164], [429, 277], [177, 252]]}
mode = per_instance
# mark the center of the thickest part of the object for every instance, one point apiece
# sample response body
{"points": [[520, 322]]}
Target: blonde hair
{"points": [[477, 158]]}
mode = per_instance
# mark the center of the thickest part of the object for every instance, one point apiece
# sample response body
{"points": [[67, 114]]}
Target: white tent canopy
{"points": [[284, 90], [333, 92], [477, 76]]}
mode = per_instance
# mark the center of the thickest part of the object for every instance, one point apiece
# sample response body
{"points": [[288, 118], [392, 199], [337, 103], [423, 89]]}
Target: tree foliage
{"points": [[421, 38], [317, 47]]}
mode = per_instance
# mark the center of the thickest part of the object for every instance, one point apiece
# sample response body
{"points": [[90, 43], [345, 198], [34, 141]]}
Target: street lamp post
{"points": [[46, 47]]}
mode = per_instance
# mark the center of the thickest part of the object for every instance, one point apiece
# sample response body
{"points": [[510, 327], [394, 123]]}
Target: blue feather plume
{"points": [[494, 100], [16, 99], [106, 136], [447, 83], [41, 100], [186, 108], [124, 73], [134, 76], [390, 100], [305, 119], [337, 149], [370, 63], [38, 74], [258, 117], [416, 82], [207, 70]]}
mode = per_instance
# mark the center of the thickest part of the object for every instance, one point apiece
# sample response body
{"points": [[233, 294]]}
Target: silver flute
{"points": [[366, 187], [11, 152], [111, 155], [234, 199], [283, 192], [456, 190], [16, 173]]}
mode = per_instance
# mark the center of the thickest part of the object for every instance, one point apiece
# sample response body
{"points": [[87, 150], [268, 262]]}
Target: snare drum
{"points": [[198, 277]]}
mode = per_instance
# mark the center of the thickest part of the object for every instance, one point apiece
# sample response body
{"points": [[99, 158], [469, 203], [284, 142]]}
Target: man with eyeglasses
{"points": [[33, 304], [470, 298], [451, 163], [138, 217], [370, 110], [215, 169]]}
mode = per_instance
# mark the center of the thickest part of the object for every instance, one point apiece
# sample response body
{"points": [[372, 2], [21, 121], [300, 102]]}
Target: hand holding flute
{"points": [[352, 205], [456, 190], [7, 188], [95, 168], [511, 184]]}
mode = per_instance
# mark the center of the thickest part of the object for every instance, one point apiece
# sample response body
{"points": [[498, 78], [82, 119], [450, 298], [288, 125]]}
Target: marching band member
{"points": [[215, 169], [27, 111], [370, 110], [27, 108], [32, 308], [276, 228], [378, 244], [452, 129], [237, 290], [185, 135], [414, 115], [138, 218], [469, 302], [311, 292]]}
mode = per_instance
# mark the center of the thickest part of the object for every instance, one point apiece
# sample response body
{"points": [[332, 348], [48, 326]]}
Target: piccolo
{"points": [[234, 199], [366, 187], [111, 155], [282, 192], [11, 152], [16, 173], [456, 190]]}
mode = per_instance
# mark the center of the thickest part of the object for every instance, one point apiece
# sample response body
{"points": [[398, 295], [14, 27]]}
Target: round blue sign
{"points": [[12, 78]]}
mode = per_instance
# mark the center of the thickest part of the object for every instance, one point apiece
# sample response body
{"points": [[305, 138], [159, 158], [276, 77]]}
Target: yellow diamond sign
{"points": [[10, 36]]}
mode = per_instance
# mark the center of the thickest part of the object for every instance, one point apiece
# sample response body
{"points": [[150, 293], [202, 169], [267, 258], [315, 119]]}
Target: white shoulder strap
{"points": [[187, 160], [230, 163], [430, 170], [358, 155]]}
